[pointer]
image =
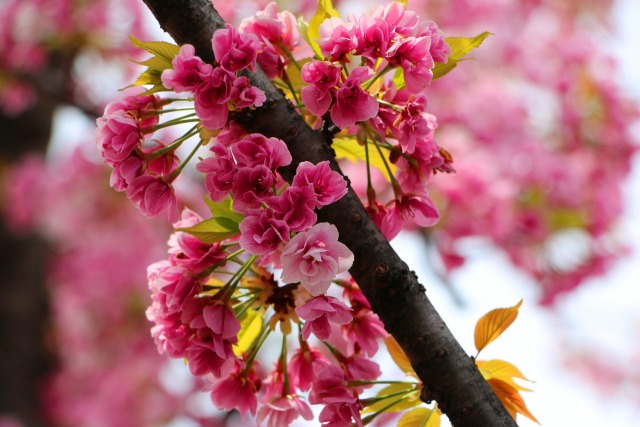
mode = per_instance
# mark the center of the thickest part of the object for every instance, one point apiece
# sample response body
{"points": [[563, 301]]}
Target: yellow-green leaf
{"points": [[210, 231], [162, 50], [405, 394], [398, 78], [493, 324], [223, 209], [460, 47], [398, 356], [149, 77], [501, 370], [325, 11], [250, 327], [346, 147], [420, 417]]}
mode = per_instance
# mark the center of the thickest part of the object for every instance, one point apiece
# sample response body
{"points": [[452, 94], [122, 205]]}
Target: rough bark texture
{"points": [[448, 373]]}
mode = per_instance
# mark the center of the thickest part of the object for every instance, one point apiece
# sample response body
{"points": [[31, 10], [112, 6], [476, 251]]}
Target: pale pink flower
{"points": [[315, 257], [319, 313], [352, 103], [262, 233], [337, 39], [139, 107], [295, 207], [399, 20], [359, 367], [274, 26], [439, 48], [211, 96], [235, 51], [188, 71], [328, 186], [282, 410], [153, 195], [117, 135]]}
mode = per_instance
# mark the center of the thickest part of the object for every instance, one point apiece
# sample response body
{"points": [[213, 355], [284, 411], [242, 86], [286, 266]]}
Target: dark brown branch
{"points": [[449, 375]]}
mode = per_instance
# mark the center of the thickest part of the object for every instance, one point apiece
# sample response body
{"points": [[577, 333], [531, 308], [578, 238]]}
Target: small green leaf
{"points": [[325, 11], [409, 400], [250, 327], [460, 47], [346, 147], [223, 209], [209, 231], [228, 223], [155, 63], [420, 417], [398, 78], [163, 50], [149, 77]]}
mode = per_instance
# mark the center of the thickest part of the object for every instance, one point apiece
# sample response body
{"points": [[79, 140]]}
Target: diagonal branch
{"points": [[449, 375]]}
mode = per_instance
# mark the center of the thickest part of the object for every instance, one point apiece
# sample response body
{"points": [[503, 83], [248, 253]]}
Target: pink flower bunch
{"points": [[188, 324], [144, 172], [278, 35]]}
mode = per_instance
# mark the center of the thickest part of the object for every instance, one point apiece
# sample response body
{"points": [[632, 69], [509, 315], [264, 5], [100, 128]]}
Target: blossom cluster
{"points": [[218, 296]]}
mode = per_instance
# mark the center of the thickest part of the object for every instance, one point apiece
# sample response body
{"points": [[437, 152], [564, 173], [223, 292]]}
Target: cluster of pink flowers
{"points": [[144, 172]]}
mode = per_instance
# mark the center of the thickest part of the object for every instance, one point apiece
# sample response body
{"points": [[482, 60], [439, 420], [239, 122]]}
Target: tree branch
{"points": [[449, 375]]}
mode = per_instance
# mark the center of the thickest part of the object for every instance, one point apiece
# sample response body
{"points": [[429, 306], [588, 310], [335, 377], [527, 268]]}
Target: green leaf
{"points": [[460, 47], [409, 400], [250, 327], [163, 50], [420, 417], [346, 147], [228, 223], [149, 77], [155, 63], [209, 231], [223, 209], [325, 11], [398, 78]]}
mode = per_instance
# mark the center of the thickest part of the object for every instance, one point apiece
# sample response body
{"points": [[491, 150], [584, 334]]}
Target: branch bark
{"points": [[449, 375]]}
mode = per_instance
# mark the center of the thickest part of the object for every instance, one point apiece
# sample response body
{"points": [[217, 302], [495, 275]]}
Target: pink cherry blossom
{"points": [[337, 39], [188, 71], [319, 313], [282, 410], [211, 98], [256, 149], [352, 103], [153, 195], [322, 77], [244, 95], [204, 359], [125, 172], [412, 54], [117, 135], [341, 414], [330, 386], [252, 186], [235, 391], [303, 366], [261, 233], [274, 26], [314, 258], [222, 321], [220, 172], [416, 208], [295, 207], [235, 51], [328, 186]]}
